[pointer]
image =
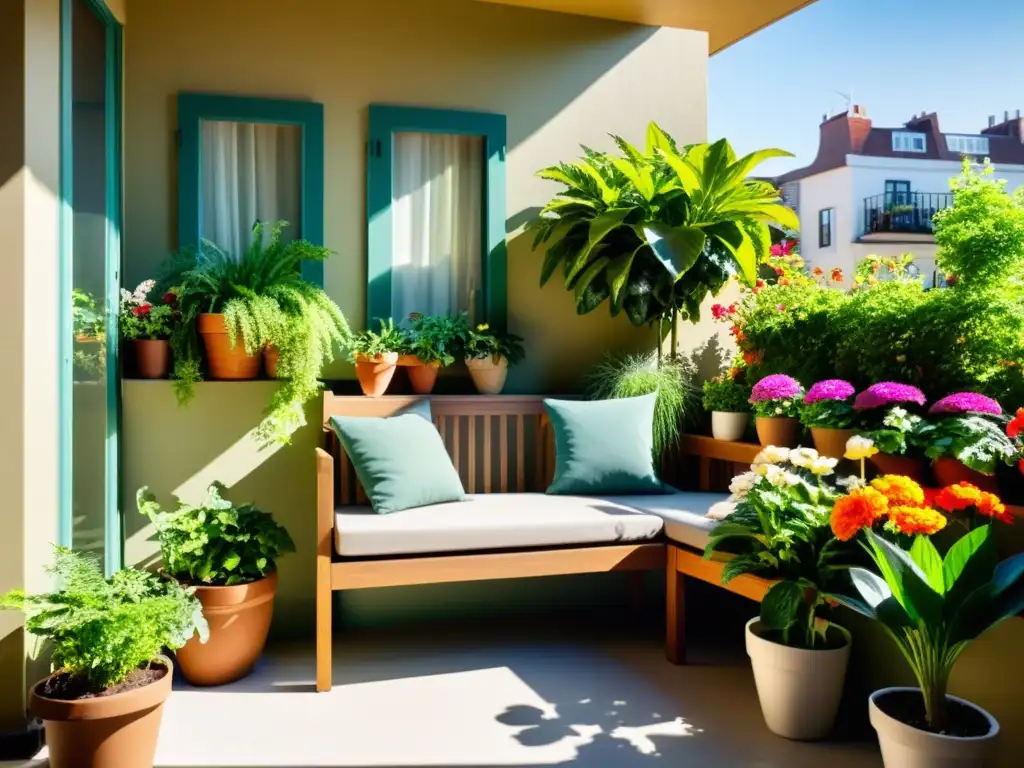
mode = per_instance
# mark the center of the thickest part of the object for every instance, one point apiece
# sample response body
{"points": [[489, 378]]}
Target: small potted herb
{"points": [[489, 355], [228, 554], [883, 410], [375, 356], [433, 342], [102, 707], [827, 411], [967, 438], [776, 400], [727, 401], [148, 327]]}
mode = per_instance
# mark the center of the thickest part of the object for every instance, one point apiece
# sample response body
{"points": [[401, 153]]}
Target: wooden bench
{"points": [[498, 444]]}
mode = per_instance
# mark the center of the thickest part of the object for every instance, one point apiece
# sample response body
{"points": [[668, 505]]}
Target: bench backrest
{"points": [[498, 443]]}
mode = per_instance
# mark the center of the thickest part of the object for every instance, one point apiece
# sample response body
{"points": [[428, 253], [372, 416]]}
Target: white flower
{"points": [[776, 476], [787, 403], [771, 454], [720, 511], [142, 290], [778, 411], [823, 465], [802, 457], [741, 484], [851, 482], [860, 447]]}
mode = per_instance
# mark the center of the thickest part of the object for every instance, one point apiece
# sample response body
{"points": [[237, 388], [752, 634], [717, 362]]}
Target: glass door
{"points": [[90, 261]]}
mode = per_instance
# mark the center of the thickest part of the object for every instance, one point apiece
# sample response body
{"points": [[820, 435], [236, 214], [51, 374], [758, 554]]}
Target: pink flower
{"points": [[780, 307], [829, 389], [966, 402], [778, 386], [718, 311], [888, 393]]}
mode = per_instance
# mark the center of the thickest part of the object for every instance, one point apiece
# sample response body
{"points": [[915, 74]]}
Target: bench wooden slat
{"points": [[503, 449], [456, 442], [487, 467], [471, 455], [520, 453]]}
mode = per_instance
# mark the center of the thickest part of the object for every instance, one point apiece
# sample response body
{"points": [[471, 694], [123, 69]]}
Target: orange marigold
{"points": [[957, 498], [859, 509], [916, 520], [899, 490], [990, 506]]}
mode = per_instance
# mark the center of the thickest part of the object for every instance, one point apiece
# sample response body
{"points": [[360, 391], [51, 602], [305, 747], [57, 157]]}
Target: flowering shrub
{"points": [[777, 395], [827, 404], [888, 393], [139, 318], [891, 427], [966, 402]]}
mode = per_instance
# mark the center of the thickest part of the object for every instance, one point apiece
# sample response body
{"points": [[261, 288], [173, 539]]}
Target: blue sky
{"points": [[963, 60]]}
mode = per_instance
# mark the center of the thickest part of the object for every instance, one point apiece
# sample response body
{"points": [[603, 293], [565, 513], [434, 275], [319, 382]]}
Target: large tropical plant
{"points": [[653, 232]]}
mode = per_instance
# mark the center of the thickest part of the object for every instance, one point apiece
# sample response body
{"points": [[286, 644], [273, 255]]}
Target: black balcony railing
{"points": [[909, 212]]}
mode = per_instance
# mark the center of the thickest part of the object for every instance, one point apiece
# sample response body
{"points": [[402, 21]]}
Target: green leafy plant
{"points": [[482, 342], [654, 232], [139, 318], [102, 630], [436, 339], [934, 607], [979, 441], [898, 432], [265, 302], [637, 375], [369, 344], [86, 317], [216, 542], [724, 393]]}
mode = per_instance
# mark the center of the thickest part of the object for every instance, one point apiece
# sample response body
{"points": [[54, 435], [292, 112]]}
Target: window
{"points": [[968, 145], [825, 217], [905, 141], [243, 160], [436, 214], [897, 193]]}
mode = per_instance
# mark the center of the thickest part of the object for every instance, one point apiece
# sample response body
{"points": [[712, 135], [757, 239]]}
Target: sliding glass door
{"points": [[90, 262]]}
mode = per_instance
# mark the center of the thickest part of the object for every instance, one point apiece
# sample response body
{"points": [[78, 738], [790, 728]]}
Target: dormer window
{"points": [[968, 145], [909, 141]]}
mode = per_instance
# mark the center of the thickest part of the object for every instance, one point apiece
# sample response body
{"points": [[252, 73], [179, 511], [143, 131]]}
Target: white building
{"points": [[874, 190]]}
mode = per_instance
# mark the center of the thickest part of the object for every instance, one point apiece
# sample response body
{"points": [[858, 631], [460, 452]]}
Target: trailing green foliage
{"points": [[265, 302], [934, 607], [101, 629], [371, 344], [216, 542], [724, 393], [436, 339], [653, 232], [637, 375]]}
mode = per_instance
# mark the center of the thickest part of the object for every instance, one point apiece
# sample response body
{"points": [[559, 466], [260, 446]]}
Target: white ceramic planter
{"points": [[799, 689], [488, 376], [726, 425], [904, 746]]}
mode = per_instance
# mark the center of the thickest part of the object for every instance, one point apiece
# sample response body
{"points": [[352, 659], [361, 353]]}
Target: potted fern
{"points": [[375, 356], [489, 355], [240, 307], [432, 343], [103, 705], [227, 554]]}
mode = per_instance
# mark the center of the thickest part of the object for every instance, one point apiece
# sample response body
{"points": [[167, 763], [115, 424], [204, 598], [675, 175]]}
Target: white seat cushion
{"points": [[684, 513], [491, 521]]}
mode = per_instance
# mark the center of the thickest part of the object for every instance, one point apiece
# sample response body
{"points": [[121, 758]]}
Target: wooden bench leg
{"points": [[675, 609], [323, 627]]}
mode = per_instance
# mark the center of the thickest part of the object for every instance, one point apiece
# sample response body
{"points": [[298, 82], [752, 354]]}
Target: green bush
{"points": [[724, 393]]}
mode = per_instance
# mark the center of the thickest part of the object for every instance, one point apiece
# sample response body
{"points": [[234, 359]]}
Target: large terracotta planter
{"points": [[226, 361], [239, 618], [831, 442], [270, 357], [726, 425], [799, 689], [152, 357], [423, 377], [117, 731], [892, 464], [777, 430], [375, 373], [904, 746], [950, 471], [488, 374]]}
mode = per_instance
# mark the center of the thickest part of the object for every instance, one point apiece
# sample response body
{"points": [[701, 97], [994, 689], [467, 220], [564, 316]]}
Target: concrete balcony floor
{"points": [[593, 693]]}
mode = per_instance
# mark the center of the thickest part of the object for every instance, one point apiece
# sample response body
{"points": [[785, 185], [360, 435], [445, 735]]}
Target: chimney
{"points": [[991, 120], [1006, 116]]}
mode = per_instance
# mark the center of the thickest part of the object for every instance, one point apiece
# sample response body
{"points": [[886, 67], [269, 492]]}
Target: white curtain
{"points": [[250, 172], [436, 236]]}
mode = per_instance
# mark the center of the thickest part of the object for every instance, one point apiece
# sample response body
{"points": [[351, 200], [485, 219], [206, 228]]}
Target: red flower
{"points": [[718, 311], [142, 310], [780, 271], [817, 271], [759, 283], [780, 307], [784, 281], [837, 275], [170, 297], [1015, 426], [785, 248], [733, 308]]}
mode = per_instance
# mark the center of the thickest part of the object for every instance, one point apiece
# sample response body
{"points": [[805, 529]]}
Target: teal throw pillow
{"points": [[400, 460], [604, 447]]}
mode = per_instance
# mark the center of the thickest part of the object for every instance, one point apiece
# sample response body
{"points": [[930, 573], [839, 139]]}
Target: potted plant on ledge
{"points": [[432, 343], [489, 355], [883, 410], [228, 555], [828, 412], [375, 356], [148, 327], [103, 705], [776, 400], [728, 402]]}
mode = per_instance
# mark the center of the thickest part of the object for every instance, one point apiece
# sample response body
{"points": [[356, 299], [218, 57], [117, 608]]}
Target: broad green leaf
{"points": [[739, 245], [629, 150], [713, 172], [553, 257], [781, 605], [677, 248], [618, 273], [609, 195], [1008, 573], [589, 275], [639, 176], [923, 552], [231, 561], [782, 215], [970, 563], [687, 174], [908, 583], [557, 174], [656, 139], [872, 589], [739, 170], [600, 227]]}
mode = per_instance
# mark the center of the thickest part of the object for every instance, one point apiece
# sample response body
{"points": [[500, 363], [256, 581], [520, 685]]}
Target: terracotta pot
{"points": [[407, 361], [226, 361], [270, 358], [728, 425], [831, 442], [777, 430], [950, 471], [239, 618], [118, 731], [488, 376], [904, 746], [423, 377], [799, 689], [153, 357], [375, 373], [891, 464]]}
